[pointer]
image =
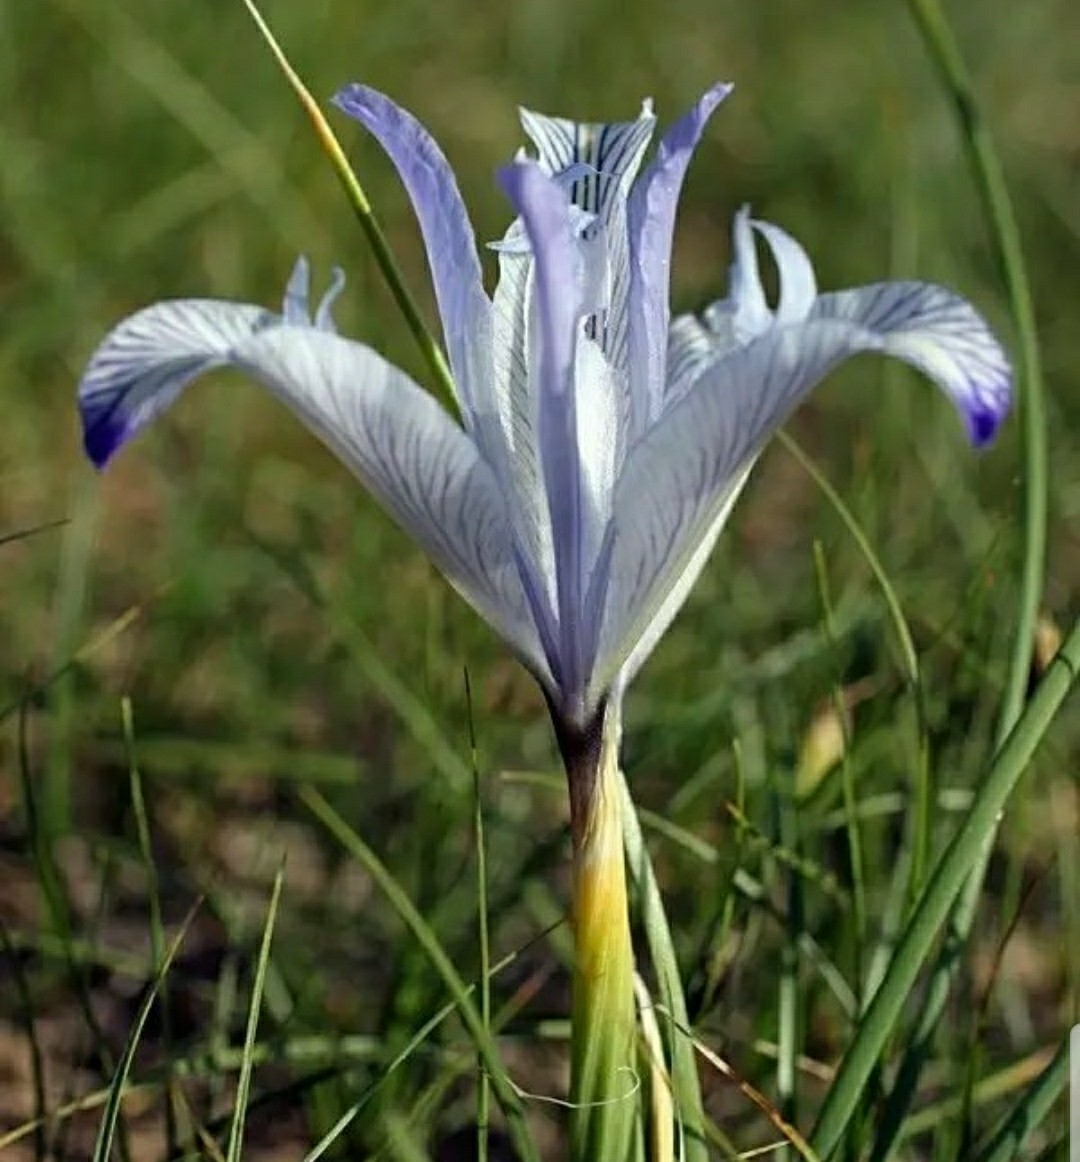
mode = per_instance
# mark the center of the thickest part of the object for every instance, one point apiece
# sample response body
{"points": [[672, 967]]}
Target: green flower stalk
{"points": [[603, 1077]]}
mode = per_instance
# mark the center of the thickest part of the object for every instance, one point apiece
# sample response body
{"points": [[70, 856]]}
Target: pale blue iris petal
{"points": [[394, 436], [750, 314], [683, 476], [684, 583], [324, 319], [940, 334], [145, 362], [601, 158], [599, 163], [798, 286], [556, 303], [447, 232], [691, 348], [651, 224], [423, 469], [515, 411], [296, 305], [745, 314]]}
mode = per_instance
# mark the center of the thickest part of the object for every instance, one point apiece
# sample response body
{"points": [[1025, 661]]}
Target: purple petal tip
{"points": [[986, 415], [103, 439]]}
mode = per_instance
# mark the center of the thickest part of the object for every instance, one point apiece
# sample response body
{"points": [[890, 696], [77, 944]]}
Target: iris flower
{"points": [[598, 447], [601, 442]]}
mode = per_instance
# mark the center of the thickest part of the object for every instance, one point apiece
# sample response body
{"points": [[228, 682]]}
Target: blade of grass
{"points": [[1030, 1111], [57, 904], [373, 231], [991, 1088], [157, 927], [792, 1136], [429, 942], [661, 1110], [414, 714], [942, 889], [247, 1063], [118, 1089], [415, 1041], [118, 626], [483, 1092], [990, 179], [37, 1061], [54, 803], [788, 1016], [23, 534], [240, 152], [922, 790], [851, 819]]}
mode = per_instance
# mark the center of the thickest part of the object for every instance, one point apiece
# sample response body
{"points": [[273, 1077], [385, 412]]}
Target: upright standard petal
{"points": [[745, 314], [418, 463], [651, 225], [604, 157], [941, 335], [556, 301], [447, 232], [599, 162]]}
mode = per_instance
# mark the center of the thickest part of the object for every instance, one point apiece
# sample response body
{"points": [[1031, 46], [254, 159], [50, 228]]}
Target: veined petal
{"points": [[691, 348], [651, 226], [145, 362], [745, 313], [556, 303], [515, 412], [798, 287], [603, 159], [418, 463], [681, 479], [446, 229], [746, 300], [941, 335], [606, 156], [684, 583], [597, 405]]}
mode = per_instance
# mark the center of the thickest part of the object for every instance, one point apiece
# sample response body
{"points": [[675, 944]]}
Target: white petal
{"points": [[798, 287], [402, 445], [685, 582], [691, 348], [680, 480], [516, 417], [410, 454], [749, 308], [612, 153]]}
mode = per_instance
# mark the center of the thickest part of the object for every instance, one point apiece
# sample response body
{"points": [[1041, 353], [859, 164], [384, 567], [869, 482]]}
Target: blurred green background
{"points": [[284, 631]]}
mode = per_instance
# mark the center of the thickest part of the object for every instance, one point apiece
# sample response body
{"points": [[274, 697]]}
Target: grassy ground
{"points": [[273, 632]]}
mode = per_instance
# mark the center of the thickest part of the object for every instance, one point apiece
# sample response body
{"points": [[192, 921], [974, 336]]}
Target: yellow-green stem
{"points": [[603, 1078]]}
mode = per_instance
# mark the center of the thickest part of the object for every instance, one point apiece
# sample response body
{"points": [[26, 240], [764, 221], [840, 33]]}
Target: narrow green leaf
{"points": [[942, 889], [247, 1061], [483, 1093], [118, 1089], [1029, 1112], [369, 223]]}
